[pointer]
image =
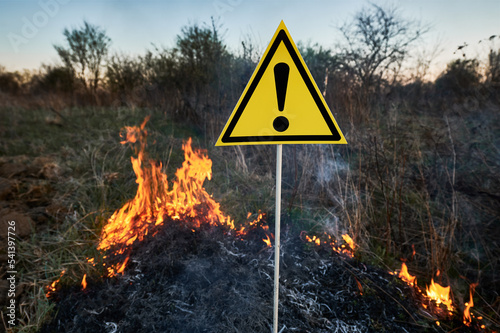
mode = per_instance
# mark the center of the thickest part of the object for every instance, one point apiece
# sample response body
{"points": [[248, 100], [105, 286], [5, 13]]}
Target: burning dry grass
{"points": [[156, 210], [208, 281], [95, 178], [156, 199], [438, 300]]}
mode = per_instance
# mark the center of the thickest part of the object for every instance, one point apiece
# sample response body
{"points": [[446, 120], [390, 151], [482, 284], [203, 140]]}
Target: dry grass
{"points": [[422, 178], [91, 178]]}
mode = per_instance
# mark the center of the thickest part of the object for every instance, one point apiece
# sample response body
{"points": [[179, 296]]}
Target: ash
{"points": [[212, 281]]}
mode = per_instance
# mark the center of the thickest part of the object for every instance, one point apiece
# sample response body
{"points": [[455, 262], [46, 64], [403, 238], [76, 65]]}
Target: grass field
{"points": [[419, 178]]}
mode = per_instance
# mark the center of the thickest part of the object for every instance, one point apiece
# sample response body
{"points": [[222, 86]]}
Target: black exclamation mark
{"points": [[281, 71]]}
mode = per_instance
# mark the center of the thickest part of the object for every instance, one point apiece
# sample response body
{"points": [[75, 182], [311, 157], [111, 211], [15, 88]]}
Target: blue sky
{"points": [[29, 28]]}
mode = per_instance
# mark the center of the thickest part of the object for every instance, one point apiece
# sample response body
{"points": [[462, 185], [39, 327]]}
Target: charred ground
{"points": [[211, 281]]}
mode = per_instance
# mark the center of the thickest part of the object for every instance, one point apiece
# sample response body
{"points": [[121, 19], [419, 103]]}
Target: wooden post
{"points": [[279, 154]]}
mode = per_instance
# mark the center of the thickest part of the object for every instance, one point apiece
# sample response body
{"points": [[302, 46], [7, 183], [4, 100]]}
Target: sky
{"points": [[30, 28]]}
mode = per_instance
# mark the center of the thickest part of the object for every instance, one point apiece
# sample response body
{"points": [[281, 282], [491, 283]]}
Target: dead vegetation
{"points": [[208, 281], [418, 181]]}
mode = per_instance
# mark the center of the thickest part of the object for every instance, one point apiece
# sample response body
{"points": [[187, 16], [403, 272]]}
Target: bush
{"points": [[10, 82], [460, 77], [124, 75], [56, 79]]}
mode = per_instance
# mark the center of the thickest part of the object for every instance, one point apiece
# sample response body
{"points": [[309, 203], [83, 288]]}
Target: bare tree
{"points": [[377, 43], [85, 53]]}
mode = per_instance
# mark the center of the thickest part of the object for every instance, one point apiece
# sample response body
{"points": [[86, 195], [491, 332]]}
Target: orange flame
{"points": [[360, 287], [328, 239], [84, 281], [52, 287], [434, 292], [267, 240], [439, 294], [153, 200], [407, 277], [468, 305], [349, 241], [250, 224], [314, 240], [185, 198]]}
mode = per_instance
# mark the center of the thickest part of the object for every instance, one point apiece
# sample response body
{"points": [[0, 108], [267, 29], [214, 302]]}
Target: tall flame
{"points": [[84, 281], [156, 199], [470, 304], [405, 276], [153, 201]]}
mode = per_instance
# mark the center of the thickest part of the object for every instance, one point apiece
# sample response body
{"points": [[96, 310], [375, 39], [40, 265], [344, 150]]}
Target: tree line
{"points": [[200, 78]]}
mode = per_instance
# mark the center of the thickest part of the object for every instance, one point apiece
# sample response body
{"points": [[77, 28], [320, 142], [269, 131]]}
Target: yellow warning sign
{"points": [[281, 103]]}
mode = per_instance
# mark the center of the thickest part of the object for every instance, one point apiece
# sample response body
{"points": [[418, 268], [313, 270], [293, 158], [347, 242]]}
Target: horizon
{"points": [[31, 28]]}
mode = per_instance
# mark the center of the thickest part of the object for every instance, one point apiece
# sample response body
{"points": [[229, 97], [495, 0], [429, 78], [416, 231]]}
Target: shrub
{"points": [[10, 82], [460, 77], [56, 79], [124, 75]]}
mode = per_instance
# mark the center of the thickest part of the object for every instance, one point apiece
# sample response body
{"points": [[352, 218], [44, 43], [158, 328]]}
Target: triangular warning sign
{"points": [[281, 103]]}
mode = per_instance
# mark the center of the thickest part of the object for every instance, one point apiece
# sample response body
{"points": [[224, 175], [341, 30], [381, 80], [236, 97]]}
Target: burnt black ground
{"points": [[212, 281]]}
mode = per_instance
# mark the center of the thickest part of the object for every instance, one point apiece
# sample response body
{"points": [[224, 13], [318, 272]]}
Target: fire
{"points": [[360, 287], [468, 305], [52, 287], [314, 240], [439, 294], [267, 240], [330, 241], [349, 241], [155, 199], [257, 222], [407, 277], [84, 281]]}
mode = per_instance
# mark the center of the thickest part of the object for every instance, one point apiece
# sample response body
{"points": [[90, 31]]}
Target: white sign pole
{"points": [[277, 237]]}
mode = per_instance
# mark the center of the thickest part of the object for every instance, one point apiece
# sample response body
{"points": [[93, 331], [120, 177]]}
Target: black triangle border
{"points": [[335, 136]]}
